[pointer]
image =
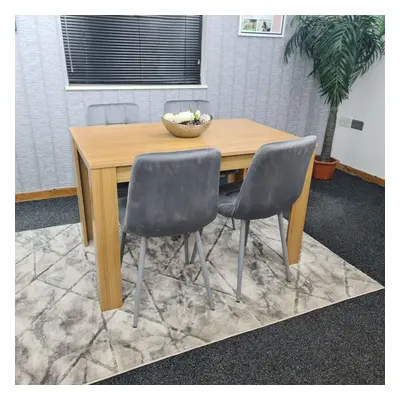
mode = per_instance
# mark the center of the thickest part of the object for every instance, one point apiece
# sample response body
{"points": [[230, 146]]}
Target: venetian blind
{"points": [[132, 49]]}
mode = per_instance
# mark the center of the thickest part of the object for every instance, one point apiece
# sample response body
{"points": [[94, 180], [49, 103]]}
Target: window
{"points": [[132, 49]]}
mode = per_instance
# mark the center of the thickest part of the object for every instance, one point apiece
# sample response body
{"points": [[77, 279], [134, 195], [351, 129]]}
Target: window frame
{"points": [[110, 86]]}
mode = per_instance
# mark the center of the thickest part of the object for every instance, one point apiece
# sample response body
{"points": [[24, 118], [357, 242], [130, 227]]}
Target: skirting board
{"points": [[361, 174], [45, 194]]}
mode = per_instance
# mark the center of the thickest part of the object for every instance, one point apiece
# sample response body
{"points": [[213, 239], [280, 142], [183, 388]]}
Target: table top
{"points": [[117, 145]]}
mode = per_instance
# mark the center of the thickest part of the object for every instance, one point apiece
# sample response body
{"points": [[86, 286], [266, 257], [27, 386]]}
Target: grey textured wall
{"points": [[246, 77]]}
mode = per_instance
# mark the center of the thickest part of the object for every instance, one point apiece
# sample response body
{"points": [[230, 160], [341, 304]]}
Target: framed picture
{"points": [[262, 25]]}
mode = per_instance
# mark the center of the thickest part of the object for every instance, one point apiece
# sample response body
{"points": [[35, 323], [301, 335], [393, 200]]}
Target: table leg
{"points": [[238, 176], [298, 217], [106, 238], [84, 198]]}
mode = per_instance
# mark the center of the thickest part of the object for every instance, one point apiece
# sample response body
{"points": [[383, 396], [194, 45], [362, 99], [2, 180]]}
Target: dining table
{"points": [[103, 157]]}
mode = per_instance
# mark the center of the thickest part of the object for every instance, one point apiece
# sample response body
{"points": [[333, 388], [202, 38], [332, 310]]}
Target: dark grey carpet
{"points": [[347, 215], [44, 213], [341, 344]]}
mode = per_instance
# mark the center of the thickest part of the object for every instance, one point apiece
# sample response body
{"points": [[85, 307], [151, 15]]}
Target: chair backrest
{"points": [[275, 178], [173, 193], [111, 114], [176, 106]]}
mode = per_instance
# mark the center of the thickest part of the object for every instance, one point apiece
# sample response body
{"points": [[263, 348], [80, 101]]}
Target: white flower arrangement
{"points": [[188, 118]]}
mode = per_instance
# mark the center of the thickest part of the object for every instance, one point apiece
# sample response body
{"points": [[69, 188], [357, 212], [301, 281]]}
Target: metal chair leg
{"points": [[195, 250], [233, 223], [186, 242], [143, 245], [284, 247], [247, 232], [193, 254], [204, 269], [241, 259], [122, 245]]}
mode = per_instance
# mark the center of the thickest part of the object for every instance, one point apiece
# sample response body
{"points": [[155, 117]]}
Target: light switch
{"points": [[345, 121]]}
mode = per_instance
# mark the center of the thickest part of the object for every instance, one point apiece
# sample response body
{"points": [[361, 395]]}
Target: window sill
{"points": [[132, 87]]}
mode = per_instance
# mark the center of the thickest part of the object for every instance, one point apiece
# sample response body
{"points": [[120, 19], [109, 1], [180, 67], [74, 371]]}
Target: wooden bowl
{"points": [[185, 131]]}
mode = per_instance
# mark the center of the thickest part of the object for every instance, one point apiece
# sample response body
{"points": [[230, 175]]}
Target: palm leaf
{"points": [[342, 48]]}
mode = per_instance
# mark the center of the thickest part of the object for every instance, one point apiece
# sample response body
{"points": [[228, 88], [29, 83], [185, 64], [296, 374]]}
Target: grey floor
{"points": [[340, 344]]}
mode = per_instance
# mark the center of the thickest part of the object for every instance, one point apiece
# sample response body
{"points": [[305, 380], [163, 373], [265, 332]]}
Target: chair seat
{"points": [[122, 202], [228, 195]]}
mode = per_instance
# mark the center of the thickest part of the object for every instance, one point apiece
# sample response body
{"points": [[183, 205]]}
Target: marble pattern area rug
{"points": [[62, 337]]}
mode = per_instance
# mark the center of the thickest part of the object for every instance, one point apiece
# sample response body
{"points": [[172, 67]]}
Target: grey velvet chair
{"points": [[110, 114], [274, 182], [170, 194]]}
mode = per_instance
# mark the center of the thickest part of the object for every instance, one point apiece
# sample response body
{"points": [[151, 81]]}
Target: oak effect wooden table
{"points": [[104, 155]]}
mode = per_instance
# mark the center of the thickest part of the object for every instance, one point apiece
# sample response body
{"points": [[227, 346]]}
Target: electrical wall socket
{"points": [[345, 121], [356, 124]]}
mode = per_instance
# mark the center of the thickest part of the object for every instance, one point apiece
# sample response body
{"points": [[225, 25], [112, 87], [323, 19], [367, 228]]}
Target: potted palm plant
{"points": [[342, 48]]}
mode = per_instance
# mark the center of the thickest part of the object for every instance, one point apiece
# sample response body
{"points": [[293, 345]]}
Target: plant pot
{"points": [[324, 170]]}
